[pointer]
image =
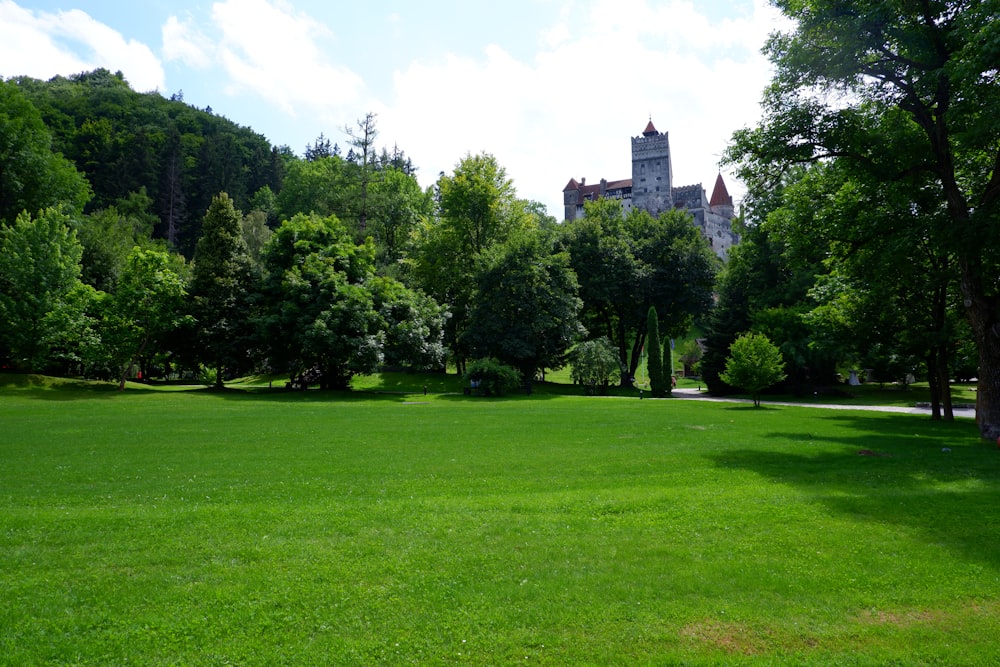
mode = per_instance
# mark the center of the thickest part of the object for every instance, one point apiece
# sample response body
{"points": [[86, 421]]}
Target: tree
{"points": [[220, 288], [322, 148], [658, 380], [32, 176], [765, 286], [124, 141], [317, 311], [906, 93], [321, 186], [146, 305], [397, 205], [595, 363], [108, 236], [363, 139], [412, 323], [889, 281], [479, 203], [39, 266], [525, 307], [256, 234], [754, 364], [73, 336], [479, 209]]}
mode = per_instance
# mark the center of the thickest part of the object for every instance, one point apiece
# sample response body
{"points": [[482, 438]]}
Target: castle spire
{"points": [[650, 131], [720, 195]]}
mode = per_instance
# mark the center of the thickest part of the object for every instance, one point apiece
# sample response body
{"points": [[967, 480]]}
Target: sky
{"points": [[554, 89]]}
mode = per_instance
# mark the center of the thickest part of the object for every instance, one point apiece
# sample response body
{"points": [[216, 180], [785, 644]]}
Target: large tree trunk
{"points": [[984, 316]]}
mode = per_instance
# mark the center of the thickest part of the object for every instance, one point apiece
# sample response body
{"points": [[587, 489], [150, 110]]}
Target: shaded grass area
{"points": [[322, 528]]}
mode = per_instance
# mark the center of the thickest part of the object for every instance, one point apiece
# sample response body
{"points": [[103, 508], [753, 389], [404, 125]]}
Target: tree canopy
{"points": [[904, 94]]}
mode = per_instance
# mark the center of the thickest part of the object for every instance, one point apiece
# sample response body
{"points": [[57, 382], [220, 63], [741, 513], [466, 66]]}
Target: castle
{"points": [[651, 189]]}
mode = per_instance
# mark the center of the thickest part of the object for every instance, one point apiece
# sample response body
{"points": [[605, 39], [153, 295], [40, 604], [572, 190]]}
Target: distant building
{"points": [[651, 189]]}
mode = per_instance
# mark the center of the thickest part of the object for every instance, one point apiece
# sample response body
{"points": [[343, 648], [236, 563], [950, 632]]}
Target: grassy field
{"points": [[257, 528]]}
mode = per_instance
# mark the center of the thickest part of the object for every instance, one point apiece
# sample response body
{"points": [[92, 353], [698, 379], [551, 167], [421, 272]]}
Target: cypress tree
{"points": [[654, 363]]}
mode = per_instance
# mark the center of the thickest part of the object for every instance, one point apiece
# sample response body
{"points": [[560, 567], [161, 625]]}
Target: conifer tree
{"points": [[654, 363], [220, 286]]}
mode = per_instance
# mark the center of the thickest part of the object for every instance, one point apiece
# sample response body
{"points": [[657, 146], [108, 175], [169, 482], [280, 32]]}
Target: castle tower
{"points": [[571, 198], [652, 173], [721, 202]]}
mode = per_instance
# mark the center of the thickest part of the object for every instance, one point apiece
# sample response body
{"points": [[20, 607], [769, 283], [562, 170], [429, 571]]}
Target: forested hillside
{"points": [[125, 142]]}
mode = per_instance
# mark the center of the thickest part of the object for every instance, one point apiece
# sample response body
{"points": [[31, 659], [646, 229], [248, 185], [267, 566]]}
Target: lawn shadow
{"points": [[936, 479], [58, 389]]}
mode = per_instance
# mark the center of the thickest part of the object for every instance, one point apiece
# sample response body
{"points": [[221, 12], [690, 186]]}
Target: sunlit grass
{"points": [[255, 527]]}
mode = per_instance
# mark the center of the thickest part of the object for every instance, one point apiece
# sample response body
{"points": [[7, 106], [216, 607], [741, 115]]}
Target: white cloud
{"points": [[42, 44], [182, 41], [571, 111], [270, 49]]}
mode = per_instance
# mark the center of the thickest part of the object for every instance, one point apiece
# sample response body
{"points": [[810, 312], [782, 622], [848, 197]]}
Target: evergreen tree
{"points": [[220, 286], [654, 362]]}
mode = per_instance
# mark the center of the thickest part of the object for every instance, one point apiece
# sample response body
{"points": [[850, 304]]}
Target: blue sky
{"points": [[553, 88]]}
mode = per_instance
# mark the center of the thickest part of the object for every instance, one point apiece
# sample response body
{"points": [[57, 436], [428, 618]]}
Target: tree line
{"points": [[337, 265], [869, 229]]}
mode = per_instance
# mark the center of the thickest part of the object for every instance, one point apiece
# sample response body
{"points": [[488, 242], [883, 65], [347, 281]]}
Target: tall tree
{"points": [[907, 92], [39, 266], [478, 209], [362, 140], [220, 287], [658, 386], [889, 281], [321, 186], [318, 312], [146, 305], [397, 206], [525, 307]]}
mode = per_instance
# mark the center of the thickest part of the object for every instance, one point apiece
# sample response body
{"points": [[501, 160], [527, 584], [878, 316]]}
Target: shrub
{"points": [[490, 377], [595, 362]]}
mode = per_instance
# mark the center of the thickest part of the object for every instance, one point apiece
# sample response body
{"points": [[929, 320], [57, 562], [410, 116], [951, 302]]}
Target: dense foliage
{"points": [[899, 101], [857, 252]]}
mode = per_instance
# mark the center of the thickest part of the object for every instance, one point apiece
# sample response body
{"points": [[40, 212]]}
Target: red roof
{"points": [[650, 130], [720, 195], [572, 185]]}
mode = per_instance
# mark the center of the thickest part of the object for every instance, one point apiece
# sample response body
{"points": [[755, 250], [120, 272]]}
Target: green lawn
{"points": [[258, 528]]}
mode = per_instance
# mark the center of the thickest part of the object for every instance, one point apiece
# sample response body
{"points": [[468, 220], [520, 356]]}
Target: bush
{"points": [[207, 376], [595, 363], [490, 377]]}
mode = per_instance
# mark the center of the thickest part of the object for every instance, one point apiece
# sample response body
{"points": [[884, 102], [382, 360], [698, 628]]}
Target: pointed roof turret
{"points": [[720, 195], [650, 131], [572, 185]]}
